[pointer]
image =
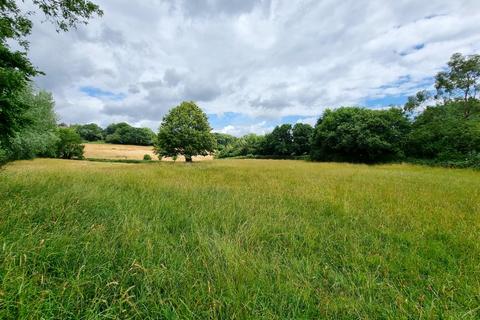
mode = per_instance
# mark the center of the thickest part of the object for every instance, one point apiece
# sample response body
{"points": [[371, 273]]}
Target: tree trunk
{"points": [[188, 158]]}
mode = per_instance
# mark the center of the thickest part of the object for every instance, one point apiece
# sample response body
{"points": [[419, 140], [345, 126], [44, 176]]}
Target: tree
{"points": [[89, 132], [114, 127], [443, 133], [360, 135], [248, 145], [38, 137], [416, 100], [460, 82], [223, 140], [280, 141], [123, 133], [185, 131], [69, 145], [16, 70], [302, 134]]}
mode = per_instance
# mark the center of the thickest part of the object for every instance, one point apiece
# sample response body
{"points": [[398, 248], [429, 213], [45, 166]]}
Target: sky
{"points": [[249, 64]]}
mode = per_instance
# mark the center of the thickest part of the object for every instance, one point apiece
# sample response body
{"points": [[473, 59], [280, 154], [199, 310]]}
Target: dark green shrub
{"points": [[147, 157], [3, 155], [69, 145]]}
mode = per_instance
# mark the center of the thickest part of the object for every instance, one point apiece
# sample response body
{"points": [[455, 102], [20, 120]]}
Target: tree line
{"points": [[117, 133], [441, 126]]}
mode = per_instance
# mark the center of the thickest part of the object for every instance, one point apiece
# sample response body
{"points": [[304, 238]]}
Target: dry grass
{"points": [[126, 152]]}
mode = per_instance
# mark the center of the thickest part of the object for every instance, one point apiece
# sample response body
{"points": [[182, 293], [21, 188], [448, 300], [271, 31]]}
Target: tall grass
{"points": [[238, 239]]}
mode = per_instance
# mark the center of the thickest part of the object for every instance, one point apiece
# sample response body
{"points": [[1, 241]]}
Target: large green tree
{"points": [[185, 131], [443, 133], [302, 133], [280, 141], [16, 70], [360, 135]]}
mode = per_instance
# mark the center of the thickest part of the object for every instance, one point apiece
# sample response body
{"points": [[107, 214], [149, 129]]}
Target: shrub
{"points": [[3, 155], [69, 145], [147, 157], [37, 136]]}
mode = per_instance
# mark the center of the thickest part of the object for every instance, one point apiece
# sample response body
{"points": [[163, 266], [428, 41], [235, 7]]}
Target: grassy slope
{"points": [[238, 239]]}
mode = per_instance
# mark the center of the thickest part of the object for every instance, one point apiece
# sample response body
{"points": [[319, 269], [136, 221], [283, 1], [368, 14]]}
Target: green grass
{"points": [[238, 239]]}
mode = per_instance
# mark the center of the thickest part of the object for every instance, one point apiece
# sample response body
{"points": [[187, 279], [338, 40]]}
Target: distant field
{"points": [[125, 152], [238, 239]]}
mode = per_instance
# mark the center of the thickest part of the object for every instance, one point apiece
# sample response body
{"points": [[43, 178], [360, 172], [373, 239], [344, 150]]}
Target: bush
{"points": [[69, 145], [37, 136], [360, 135], [3, 155], [147, 157]]}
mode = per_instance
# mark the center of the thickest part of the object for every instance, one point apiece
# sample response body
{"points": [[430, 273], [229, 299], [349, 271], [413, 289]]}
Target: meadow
{"points": [[236, 239]]}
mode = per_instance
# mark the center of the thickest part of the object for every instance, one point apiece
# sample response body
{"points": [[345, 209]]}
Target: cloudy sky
{"points": [[250, 64]]}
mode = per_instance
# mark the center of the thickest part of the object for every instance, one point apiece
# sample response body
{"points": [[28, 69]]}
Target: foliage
{"points": [[147, 157], [69, 145], [3, 155], [443, 133], [16, 70], [185, 131], [38, 136], [64, 14], [238, 239], [279, 141], [416, 100], [460, 82], [302, 134], [123, 133], [250, 144], [360, 135], [111, 128], [223, 140], [89, 132]]}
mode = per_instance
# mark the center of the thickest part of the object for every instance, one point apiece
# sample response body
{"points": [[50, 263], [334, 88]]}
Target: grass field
{"points": [[126, 152], [238, 239]]}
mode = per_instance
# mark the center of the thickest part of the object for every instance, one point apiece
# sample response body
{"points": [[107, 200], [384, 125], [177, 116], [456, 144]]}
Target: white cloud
{"points": [[240, 130], [264, 59]]}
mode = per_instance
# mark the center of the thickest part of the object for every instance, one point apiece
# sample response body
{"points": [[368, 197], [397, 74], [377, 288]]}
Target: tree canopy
{"points": [[90, 131], [360, 135], [185, 131]]}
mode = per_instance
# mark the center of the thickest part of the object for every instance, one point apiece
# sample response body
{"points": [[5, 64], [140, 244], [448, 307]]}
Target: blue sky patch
{"points": [[385, 101], [102, 94]]}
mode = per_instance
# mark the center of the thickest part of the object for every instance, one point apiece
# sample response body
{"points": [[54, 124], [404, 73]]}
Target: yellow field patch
{"points": [[127, 152]]}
